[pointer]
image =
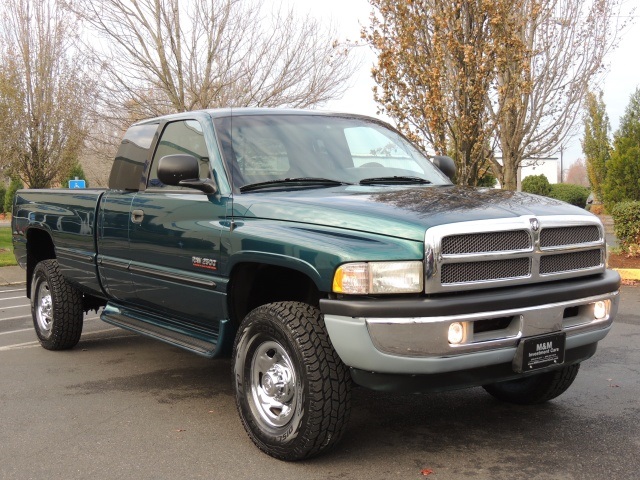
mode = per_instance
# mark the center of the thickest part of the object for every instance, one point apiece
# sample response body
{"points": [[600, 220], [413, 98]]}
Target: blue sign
{"points": [[77, 184]]}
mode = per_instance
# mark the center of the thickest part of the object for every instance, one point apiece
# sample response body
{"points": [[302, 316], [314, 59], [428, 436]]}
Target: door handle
{"points": [[137, 216]]}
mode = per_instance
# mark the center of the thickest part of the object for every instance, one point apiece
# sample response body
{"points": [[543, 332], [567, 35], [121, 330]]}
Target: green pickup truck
{"points": [[319, 251]]}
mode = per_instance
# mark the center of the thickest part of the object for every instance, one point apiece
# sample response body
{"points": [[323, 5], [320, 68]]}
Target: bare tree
{"points": [[161, 56], [577, 174], [540, 91], [44, 93]]}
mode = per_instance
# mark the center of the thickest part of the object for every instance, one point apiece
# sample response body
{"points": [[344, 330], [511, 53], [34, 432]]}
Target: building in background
{"points": [[541, 166]]}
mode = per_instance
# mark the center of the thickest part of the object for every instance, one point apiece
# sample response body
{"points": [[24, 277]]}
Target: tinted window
{"points": [[263, 148], [185, 136], [126, 173]]}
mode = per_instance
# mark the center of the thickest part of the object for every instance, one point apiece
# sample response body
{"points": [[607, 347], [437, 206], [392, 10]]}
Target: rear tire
{"points": [[293, 392], [535, 389], [56, 308]]}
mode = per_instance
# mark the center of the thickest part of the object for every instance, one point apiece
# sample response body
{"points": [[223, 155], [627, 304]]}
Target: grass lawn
{"points": [[6, 248]]}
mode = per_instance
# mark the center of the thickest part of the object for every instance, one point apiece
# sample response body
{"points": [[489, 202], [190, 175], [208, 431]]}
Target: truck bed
{"points": [[69, 217]]}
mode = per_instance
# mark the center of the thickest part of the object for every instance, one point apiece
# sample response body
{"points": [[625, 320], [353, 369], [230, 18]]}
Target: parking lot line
{"points": [[15, 306], [28, 315], [20, 346], [17, 331], [13, 290]]}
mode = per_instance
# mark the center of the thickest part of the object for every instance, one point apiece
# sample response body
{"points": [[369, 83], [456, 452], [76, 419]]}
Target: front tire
{"points": [[535, 389], [56, 308], [293, 392]]}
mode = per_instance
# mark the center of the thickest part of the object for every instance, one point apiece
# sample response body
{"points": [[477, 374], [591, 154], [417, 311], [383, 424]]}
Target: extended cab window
{"points": [[184, 136], [129, 162]]}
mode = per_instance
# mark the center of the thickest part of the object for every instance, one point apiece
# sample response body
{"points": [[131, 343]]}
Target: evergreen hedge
{"points": [[536, 184], [574, 194], [626, 218]]}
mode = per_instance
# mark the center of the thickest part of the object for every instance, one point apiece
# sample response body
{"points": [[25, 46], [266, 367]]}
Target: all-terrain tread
{"points": [[68, 314], [329, 381], [536, 389]]}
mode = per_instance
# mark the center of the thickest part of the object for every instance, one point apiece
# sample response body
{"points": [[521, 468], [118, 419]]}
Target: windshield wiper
{"points": [[396, 180], [303, 181]]}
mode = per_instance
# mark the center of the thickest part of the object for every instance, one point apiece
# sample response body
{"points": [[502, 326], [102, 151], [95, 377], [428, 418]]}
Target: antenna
{"points": [[232, 159]]}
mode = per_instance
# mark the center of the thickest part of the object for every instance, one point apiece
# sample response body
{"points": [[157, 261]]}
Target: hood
{"points": [[405, 212]]}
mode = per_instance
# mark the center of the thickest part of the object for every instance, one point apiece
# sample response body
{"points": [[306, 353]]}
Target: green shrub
{"points": [[14, 186], [487, 180], [537, 184], [626, 219], [574, 194]]}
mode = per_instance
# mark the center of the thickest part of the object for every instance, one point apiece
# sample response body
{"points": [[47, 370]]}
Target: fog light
{"points": [[456, 333], [600, 310]]}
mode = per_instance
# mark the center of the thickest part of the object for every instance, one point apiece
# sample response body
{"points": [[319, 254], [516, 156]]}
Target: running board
{"points": [[192, 338]]}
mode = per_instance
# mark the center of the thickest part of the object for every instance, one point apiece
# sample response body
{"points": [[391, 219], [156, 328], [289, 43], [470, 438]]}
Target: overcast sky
{"points": [[350, 15]]}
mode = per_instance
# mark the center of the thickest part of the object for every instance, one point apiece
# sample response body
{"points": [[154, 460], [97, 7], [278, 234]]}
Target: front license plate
{"points": [[539, 352]]}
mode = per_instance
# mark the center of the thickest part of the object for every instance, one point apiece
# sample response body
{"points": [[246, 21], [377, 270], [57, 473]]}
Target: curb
{"points": [[12, 275], [629, 274]]}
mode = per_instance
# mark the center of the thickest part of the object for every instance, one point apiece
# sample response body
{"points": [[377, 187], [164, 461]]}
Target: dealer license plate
{"points": [[539, 352]]}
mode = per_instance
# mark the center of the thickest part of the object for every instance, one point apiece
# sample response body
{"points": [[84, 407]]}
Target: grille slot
{"points": [[566, 262], [556, 237], [483, 271], [486, 242], [491, 324], [498, 252]]}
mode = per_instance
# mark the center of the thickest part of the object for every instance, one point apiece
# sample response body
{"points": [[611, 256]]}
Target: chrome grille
{"points": [[512, 251], [483, 271], [486, 242], [566, 262], [556, 237]]}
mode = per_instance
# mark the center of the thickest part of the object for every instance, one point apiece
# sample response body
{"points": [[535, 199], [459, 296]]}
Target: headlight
{"points": [[378, 277]]}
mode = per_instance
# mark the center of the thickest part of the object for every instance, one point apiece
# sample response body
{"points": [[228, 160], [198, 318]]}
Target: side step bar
{"points": [[179, 334]]}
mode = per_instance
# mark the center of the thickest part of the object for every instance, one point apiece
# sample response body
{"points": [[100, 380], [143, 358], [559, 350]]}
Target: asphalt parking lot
{"points": [[123, 406]]}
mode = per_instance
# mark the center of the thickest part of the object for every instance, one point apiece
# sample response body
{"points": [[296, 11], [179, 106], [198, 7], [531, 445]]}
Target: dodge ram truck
{"points": [[320, 251]]}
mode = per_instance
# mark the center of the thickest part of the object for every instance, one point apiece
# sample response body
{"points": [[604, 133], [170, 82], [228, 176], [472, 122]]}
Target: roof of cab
{"points": [[228, 112]]}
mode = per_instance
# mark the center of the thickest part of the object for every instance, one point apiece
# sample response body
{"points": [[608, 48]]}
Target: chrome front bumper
{"points": [[419, 345]]}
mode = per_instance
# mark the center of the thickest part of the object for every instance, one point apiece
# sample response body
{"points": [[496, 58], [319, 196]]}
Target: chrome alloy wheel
{"points": [[44, 309], [273, 385]]}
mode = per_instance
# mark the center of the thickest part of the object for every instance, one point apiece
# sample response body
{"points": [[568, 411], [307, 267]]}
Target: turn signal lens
{"points": [[352, 278], [379, 278]]}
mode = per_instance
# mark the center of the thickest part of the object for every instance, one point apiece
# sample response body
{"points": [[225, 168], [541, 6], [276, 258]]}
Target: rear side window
{"points": [[127, 170]]}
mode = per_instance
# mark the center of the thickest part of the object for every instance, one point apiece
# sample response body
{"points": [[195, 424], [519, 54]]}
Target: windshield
{"points": [[262, 150]]}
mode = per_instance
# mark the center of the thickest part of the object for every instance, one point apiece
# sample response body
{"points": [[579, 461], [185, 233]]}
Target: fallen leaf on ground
{"points": [[426, 472]]}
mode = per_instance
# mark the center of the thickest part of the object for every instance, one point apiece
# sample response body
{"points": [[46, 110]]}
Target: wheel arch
{"points": [[255, 282], [39, 247]]}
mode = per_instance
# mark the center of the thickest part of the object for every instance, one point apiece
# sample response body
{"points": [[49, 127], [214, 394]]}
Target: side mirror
{"points": [[446, 165], [182, 170]]}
